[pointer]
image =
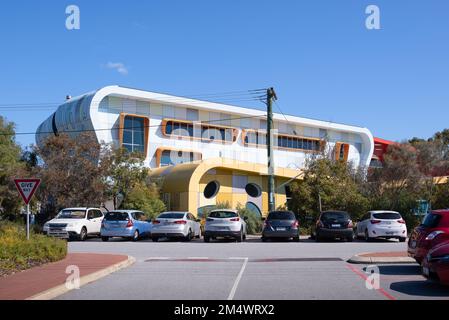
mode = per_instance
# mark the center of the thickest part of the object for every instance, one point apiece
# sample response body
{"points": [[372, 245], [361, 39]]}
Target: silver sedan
{"points": [[176, 225]]}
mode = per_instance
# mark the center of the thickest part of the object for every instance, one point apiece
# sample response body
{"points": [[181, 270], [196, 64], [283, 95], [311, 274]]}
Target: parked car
{"points": [[435, 265], [224, 223], [176, 225], [333, 225], [431, 232], [75, 223], [128, 224], [281, 224], [382, 224]]}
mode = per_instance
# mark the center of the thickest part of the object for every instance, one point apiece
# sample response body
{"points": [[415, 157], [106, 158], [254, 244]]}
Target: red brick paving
{"points": [[400, 254], [28, 283]]}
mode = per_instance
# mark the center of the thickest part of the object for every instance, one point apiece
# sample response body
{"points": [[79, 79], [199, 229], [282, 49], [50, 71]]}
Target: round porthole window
{"points": [[211, 189], [253, 190]]}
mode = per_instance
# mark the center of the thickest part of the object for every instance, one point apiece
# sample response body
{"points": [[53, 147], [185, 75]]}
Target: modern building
{"points": [[204, 152]]}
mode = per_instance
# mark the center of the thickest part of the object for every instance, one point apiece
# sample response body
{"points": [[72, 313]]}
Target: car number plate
{"points": [[426, 271], [281, 229], [390, 233], [336, 225]]}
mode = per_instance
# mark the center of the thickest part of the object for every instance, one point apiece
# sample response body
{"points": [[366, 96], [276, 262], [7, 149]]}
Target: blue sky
{"points": [[318, 55]]}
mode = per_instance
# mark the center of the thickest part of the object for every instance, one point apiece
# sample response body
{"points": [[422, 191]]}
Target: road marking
{"points": [[198, 258], [365, 277], [237, 280]]}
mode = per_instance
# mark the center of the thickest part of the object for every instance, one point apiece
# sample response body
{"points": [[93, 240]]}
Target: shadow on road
{"points": [[420, 288], [400, 270]]}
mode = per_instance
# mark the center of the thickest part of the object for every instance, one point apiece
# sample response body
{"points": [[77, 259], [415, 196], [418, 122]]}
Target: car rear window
{"points": [[116, 216], [335, 216], [432, 220], [281, 215], [223, 214], [387, 216], [172, 216]]}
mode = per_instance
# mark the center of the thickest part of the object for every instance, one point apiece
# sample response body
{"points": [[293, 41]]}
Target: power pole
{"points": [[271, 96]]}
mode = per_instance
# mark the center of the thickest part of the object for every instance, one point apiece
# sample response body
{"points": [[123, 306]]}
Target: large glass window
{"points": [[204, 132], [134, 134], [172, 158], [283, 141]]}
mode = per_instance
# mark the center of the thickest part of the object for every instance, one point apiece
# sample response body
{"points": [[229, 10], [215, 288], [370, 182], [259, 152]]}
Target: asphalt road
{"points": [[251, 271]]}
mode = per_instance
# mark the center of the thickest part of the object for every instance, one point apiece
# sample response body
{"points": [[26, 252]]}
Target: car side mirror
{"points": [[245, 218]]}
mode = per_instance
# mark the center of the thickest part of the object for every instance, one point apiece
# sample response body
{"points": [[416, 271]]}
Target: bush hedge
{"points": [[17, 254]]}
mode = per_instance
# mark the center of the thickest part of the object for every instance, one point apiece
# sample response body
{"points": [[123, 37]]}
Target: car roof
{"points": [[225, 210], [181, 212], [383, 211], [124, 211], [83, 209], [441, 211]]}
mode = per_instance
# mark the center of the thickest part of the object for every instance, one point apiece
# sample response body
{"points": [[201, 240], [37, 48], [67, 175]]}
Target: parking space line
{"points": [[237, 280], [365, 277]]}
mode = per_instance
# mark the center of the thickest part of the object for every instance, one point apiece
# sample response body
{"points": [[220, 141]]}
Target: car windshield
{"points": [[281, 215], [223, 214], [116, 216], [387, 216], [335, 216], [72, 214], [172, 215], [431, 220]]}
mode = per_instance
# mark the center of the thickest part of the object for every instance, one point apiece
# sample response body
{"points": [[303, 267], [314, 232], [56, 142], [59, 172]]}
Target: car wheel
{"points": [[402, 239], [350, 239], [296, 239], [318, 237], [105, 239], [206, 239], [199, 235], [83, 234], [264, 239], [367, 237], [155, 239], [240, 237], [189, 236], [136, 236]]}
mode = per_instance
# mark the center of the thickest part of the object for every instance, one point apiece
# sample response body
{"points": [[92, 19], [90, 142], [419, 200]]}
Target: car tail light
{"points": [[350, 224], [156, 222], [433, 235], [130, 224], [235, 219], [375, 221], [295, 225], [402, 221], [180, 222]]}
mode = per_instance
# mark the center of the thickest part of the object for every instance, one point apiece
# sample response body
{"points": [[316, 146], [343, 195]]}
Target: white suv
{"points": [[75, 223], [382, 224], [225, 223]]}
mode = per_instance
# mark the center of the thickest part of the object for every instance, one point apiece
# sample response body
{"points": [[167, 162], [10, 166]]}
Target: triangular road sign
{"points": [[27, 188]]}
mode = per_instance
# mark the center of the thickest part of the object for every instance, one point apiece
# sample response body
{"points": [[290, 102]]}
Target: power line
{"points": [[121, 128]]}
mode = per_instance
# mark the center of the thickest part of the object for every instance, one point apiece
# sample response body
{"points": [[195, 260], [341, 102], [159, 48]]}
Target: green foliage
{"points": [[10, 168], [253, 222], [16, 253], [440, 196], [145, 198]]}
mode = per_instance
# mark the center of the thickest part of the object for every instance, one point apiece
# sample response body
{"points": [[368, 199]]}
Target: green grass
{"points": [[17, 254]]}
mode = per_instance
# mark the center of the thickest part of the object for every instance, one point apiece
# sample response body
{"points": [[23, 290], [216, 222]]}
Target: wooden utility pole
{"points": [[271, 96]]}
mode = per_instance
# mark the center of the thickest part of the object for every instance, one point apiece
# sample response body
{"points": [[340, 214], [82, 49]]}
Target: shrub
{"points": [[16, 253], [254, 223]]}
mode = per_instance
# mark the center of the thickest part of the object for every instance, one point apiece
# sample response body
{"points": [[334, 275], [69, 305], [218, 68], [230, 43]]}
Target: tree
{"points": [[71, 174], [10, 167], [144, 197], [337, 183]]}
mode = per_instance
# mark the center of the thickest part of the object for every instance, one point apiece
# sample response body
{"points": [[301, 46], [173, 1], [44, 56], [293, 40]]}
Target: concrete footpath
{"points": [[49, 281], [400, 257]]}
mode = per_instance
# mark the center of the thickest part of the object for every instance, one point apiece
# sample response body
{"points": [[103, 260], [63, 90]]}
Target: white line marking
{"points": [[237, 280], [158, 258], [197, 258]]}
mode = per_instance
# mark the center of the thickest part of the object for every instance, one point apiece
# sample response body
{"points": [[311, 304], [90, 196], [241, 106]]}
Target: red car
{"points": [[433, 231], [436, 264]]}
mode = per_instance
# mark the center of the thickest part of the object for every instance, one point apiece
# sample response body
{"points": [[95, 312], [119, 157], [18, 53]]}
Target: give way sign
{"points": [[27, 188]]}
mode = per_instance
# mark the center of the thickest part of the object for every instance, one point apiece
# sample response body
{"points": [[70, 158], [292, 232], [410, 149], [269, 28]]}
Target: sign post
{"points": [[27, 188]]}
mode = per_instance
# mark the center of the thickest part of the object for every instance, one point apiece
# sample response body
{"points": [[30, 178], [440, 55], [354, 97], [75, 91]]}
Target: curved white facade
{"points": [[101, 112]]}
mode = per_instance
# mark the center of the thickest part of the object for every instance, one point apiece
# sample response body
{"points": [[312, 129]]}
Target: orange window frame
{"points": [[322, 142], [338, 149], [235, 131], [146, 129], [159, 152]]}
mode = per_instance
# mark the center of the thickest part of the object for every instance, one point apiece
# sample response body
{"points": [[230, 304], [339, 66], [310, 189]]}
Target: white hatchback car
{"points": [[176, 225], [75, 223], [382, 224], [223, 223]]}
